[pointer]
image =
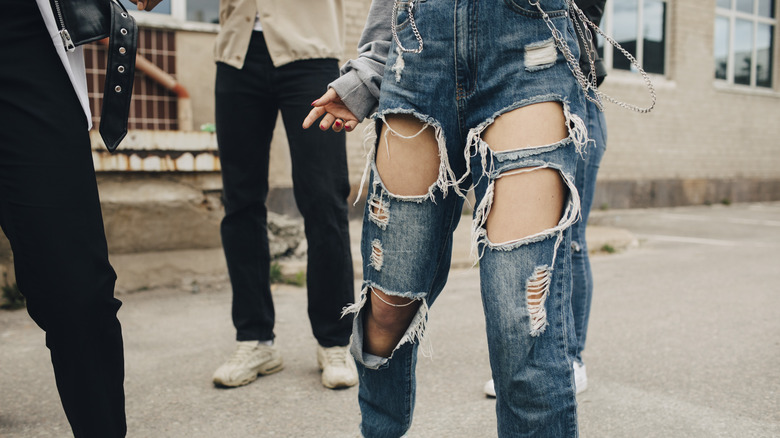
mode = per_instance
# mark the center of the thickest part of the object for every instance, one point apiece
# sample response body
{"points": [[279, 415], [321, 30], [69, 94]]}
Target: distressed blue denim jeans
{"points": [[481, 59], [585, 181]]}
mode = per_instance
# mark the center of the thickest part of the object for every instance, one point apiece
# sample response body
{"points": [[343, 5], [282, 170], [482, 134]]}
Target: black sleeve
{"points": [[593, 10]]}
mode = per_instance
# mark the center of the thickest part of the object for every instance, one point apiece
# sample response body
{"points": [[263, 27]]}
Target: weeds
{"points": [[607, 248], [276, 276], [12, 298]]}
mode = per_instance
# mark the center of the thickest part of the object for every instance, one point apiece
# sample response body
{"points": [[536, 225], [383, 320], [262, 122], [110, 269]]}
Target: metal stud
{"points": [[123, 31], [124, 14], [121, 69], [122, 50], [118, 89]]}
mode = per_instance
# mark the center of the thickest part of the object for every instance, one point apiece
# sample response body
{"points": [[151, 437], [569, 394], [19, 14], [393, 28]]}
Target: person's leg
{"points": [[585, 181], [526, 203], [406, 247], [50, 212], [321, 188], [246, 113]]}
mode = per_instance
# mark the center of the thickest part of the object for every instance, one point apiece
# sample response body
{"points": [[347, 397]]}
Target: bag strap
{"points": [[120, 72]]}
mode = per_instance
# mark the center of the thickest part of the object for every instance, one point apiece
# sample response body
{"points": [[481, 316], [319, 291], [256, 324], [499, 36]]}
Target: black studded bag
{"points": [[84, 21]]}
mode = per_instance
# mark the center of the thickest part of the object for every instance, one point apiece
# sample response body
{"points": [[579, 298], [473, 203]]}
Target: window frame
{"points": [[609, 52], [176, 19], [732, 14]]}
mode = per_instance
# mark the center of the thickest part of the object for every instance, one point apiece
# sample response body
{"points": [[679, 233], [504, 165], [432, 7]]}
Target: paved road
{"points": [[684, 342]]}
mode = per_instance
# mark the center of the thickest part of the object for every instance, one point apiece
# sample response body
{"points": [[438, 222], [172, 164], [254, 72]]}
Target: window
{"points": [[639, 26], [744, 42], [204, 11]]}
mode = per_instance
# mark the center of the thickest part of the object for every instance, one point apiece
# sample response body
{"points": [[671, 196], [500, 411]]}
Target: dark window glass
{"points": [[745, 6], [654, 30], [743, 51], [206, 11], [764, 56], [766, 8], [162, 8], [624, 27], [721, 47]]}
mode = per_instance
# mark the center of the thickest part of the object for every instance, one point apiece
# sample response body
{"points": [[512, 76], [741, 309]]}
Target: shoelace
{"points": [[336, 356]]}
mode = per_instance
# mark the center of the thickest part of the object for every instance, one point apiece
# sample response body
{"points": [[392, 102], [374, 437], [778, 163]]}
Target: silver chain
{"points": [[574, 64], [410, 11], [587, 37]]}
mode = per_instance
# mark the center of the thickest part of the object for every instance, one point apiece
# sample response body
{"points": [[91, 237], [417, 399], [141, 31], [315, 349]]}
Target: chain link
{"points": [[574, 64], [588, 83], [410, 11]]}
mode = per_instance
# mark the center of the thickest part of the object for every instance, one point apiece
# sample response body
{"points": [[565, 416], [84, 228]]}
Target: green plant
{"points": [[12, 298], [604, 207], [299, 279], [608, 248], [276, 276], [725, 201]]}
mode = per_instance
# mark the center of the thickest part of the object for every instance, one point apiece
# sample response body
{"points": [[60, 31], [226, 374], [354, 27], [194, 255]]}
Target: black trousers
{"points": [[50, 212], [247, 103]]}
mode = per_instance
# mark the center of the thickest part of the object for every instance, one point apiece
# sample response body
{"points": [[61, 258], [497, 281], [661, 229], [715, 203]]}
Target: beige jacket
{"points": [[293, 29]]}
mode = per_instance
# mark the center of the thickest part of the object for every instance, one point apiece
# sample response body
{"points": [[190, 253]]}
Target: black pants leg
{"points": [[50, 212], [321, 188], [247, 102]]}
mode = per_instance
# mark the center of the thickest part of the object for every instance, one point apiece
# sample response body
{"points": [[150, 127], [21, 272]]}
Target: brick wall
{"points": [[703, 142]]}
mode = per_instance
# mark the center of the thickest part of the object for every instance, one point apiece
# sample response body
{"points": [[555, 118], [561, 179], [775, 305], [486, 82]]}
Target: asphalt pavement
{"points": [[684, 341]]}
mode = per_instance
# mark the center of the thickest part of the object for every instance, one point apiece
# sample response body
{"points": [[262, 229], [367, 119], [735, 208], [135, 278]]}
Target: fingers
{"points": [[314, 114], [336, 115], [327, 121], [350, 125], [326, 98], [141, 5]]}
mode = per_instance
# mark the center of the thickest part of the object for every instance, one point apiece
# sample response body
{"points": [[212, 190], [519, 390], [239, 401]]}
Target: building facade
{"points": [[713, 136]]}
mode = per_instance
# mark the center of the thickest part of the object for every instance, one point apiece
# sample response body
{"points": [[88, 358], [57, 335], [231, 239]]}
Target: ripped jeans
{"points": [[498, 57]]}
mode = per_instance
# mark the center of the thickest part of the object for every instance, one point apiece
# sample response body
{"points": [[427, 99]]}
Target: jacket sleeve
{"points": [[361, 78]]}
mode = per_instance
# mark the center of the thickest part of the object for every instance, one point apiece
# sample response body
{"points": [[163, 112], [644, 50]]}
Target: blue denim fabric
{"points": [[498, 56], [585, 181]]}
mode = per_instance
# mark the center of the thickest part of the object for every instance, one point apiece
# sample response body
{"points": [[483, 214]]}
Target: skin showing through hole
{"points": [[527, 203], [413, 164], [411, 168]]}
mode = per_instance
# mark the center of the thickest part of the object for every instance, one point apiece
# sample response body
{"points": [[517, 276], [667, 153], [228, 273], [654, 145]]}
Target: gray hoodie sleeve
{"points": [[360, 78]]}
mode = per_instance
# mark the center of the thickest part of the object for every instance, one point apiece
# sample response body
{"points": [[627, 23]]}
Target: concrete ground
{"points": [[684, 341]]}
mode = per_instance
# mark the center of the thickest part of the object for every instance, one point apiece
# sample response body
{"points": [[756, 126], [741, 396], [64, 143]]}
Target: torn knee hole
{"points": [[411, 156], [402, 302], [524, 203]]}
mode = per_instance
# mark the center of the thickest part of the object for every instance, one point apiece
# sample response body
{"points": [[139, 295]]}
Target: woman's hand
{"points": [[336, 113], [146, 5]]}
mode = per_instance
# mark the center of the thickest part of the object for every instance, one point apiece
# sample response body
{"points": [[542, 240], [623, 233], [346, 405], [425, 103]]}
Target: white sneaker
{"points": [[338, 367], [580, 377], [490, 388], [250, 359]]}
